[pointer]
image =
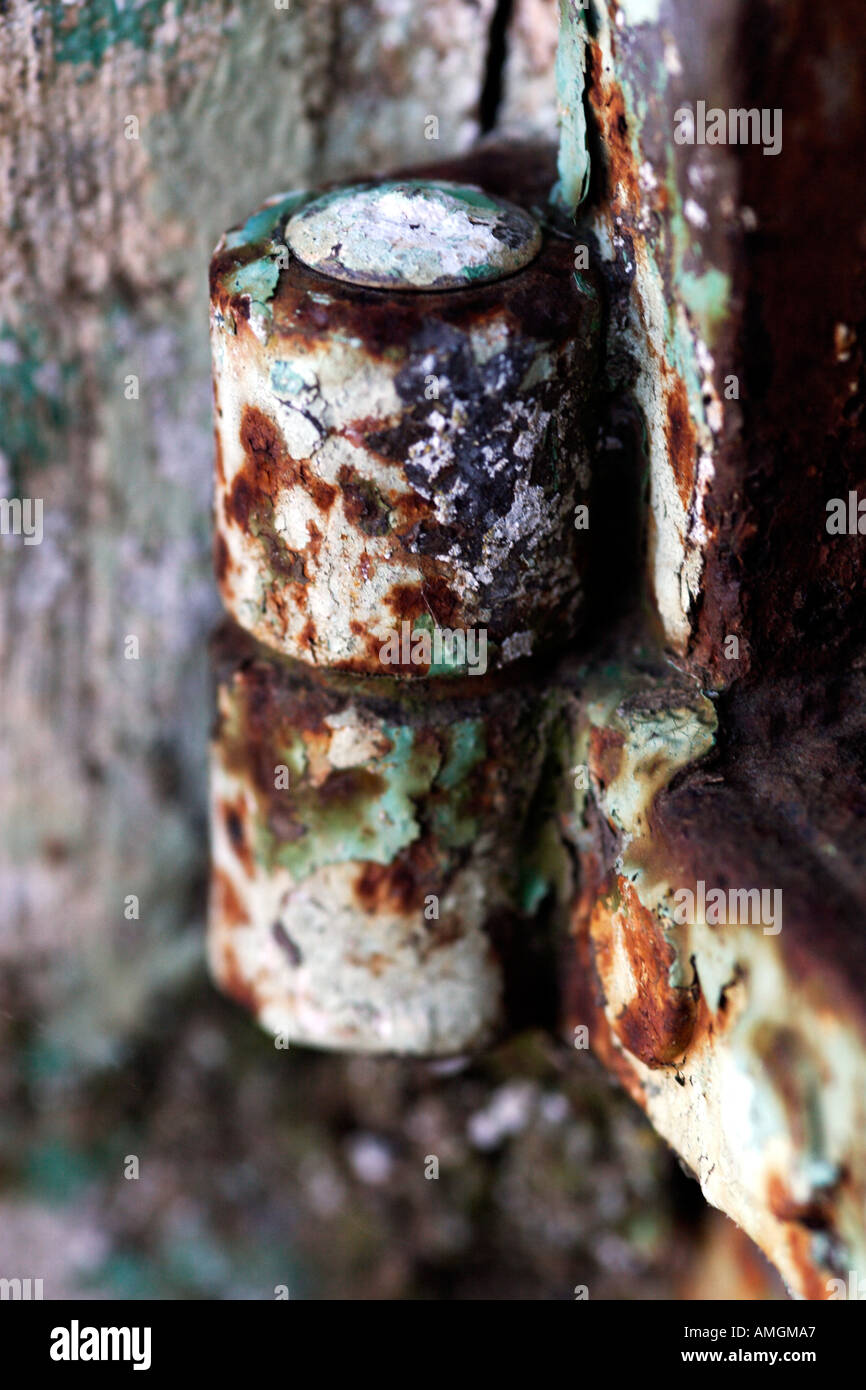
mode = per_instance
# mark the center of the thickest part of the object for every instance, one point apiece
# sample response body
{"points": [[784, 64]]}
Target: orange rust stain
{"points": [[322, 493], [402, 885], [261, 438], [681, 439], [228, 905], [314, 544], [608, 106], [375, 963], [363, 503], [372, 660], [657, 1023], [586, 996], [388, 887], [218, 447], [406, 601], [269, 467], [221, 557], [812, 1279], [813, 1215], [408, 508], [307, 636], [441, 601], [233, 983], [605, 754], [256, 484], [356, 431]]}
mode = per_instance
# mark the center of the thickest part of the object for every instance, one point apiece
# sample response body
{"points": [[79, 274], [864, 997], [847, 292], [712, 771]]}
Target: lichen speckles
{"points": [[413, 236]]}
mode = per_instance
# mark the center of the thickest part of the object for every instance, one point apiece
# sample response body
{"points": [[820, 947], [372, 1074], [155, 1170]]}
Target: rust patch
{"points": [[371, 659], [356, 431], [811, 1281], [814, 1215], [229, 907], [218, 448], [681, 438], [608, 107], [221, 558], [269, 468], [605, 754], [307, 637], [441, 601], [363, 503], [655, 1023], [253, 490], [389, 887], [402, 885], [314, 545], [375, 963], [234, 984], [323, 494], [261, 439], [410, 509], [406, 601]]}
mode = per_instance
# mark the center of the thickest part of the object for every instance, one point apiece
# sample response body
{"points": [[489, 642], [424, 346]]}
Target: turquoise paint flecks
{"points": [[33, 401], [534, 886], [286, 380], [374, 819], [640, 11], [450, 815], [707, 296], [264, 222], [379, 815], [58, 1171], [257, 278], [84, 34], [573, 167], [468, 747]]}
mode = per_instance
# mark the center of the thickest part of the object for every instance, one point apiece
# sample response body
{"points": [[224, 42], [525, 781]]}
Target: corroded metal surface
{"points": [[380, 859], [413, 235], [733, 319], [388, 458], [742, 1035]]}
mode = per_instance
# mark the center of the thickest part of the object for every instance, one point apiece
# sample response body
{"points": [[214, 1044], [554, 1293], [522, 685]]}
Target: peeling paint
{"points": [[409, 459]]}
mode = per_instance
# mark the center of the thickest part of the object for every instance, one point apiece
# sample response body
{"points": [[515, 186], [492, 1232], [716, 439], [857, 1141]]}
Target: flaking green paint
{"points": [[286, 380], [370, 819], [257, 278], [376, 810], [84, 33], [261, 224], [708, 297]]}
